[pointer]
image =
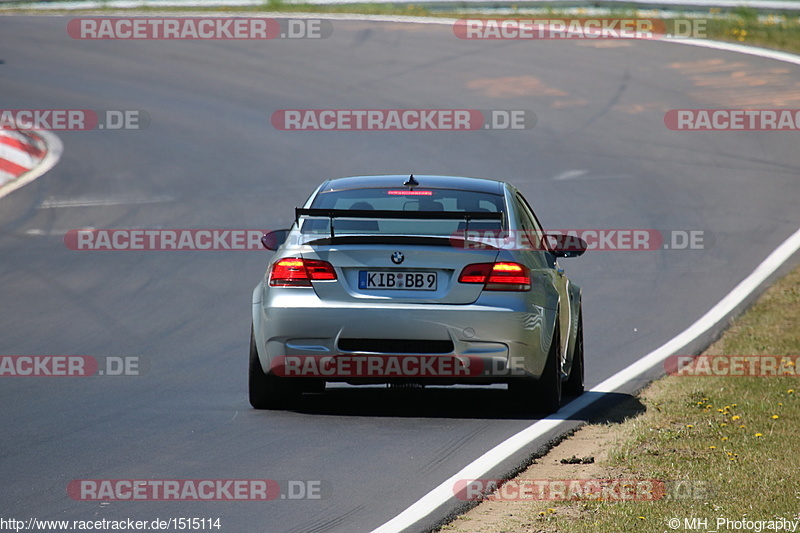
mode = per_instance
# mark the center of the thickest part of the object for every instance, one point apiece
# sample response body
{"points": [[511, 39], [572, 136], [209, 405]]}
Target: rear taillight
{"points": [[497, 276], [297, 272]]}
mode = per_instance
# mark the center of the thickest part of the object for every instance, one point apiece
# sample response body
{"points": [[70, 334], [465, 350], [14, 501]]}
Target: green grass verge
{"points": [[731, 440], [746, 27]]}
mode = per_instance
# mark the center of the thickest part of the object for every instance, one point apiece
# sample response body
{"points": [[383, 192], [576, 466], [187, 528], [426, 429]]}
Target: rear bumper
{"points": [[505, 337]]}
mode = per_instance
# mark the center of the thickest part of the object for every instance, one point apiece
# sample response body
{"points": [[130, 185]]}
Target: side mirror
{"points": [[562, 245], [274, 239]]}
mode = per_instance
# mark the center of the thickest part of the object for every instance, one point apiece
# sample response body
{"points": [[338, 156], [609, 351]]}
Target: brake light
{"points": [[497, 276], [298, 272], [409, 193]]}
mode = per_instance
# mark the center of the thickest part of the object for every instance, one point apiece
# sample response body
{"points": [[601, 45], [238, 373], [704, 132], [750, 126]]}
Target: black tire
{"points": [[542, 395], [268, 391], [549, 390], [574, 385]]}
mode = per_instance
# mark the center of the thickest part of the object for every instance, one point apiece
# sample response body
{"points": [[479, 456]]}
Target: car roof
{"points": [[425, 182]]}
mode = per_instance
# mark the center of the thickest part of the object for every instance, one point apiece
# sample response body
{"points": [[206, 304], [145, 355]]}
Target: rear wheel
{"points": [[574, 385], [268, 391], [542, 395], [549, 391]]}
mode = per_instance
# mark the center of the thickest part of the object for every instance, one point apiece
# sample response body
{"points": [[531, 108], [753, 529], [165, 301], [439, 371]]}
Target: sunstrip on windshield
{"points": [[467, 216]]}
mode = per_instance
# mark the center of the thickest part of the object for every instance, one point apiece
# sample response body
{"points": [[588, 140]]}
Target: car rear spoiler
{"points": [[419, 215]]}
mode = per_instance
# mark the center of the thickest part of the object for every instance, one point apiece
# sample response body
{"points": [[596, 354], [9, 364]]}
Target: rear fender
{"points": [[258, 327], [575, 296]]}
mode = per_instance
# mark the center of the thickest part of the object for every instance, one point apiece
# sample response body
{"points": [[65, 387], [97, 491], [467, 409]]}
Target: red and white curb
{"points": [[19, 153], [24, 156]]}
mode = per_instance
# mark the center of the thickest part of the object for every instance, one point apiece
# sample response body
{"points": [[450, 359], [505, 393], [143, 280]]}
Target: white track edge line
{"points": [[441, 494], [54, 150], [410, 19], [703, 43]]}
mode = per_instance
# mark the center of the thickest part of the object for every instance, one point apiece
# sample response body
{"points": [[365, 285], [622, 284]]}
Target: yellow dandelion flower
{"points": [[712, 447], [720, 410], [641, 518], [689, 426], [724, 438], [709, 406], [742, 426], [759, 434], [733, 405], [723, 424], [774, 417], [790, 391], [735, 417]]}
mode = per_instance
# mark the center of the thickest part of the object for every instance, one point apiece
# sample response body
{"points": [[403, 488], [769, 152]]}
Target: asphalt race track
{"points": [[599, 156]]}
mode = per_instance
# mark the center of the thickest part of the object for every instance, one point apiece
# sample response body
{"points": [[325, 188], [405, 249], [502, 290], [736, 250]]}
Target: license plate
{"points": [[405, 280]]}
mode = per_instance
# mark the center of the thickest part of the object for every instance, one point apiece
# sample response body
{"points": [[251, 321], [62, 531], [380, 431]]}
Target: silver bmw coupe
{"points": [[423, 280]]}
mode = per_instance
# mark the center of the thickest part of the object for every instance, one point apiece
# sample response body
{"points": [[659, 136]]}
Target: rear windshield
{"points": [[401, 199]]}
